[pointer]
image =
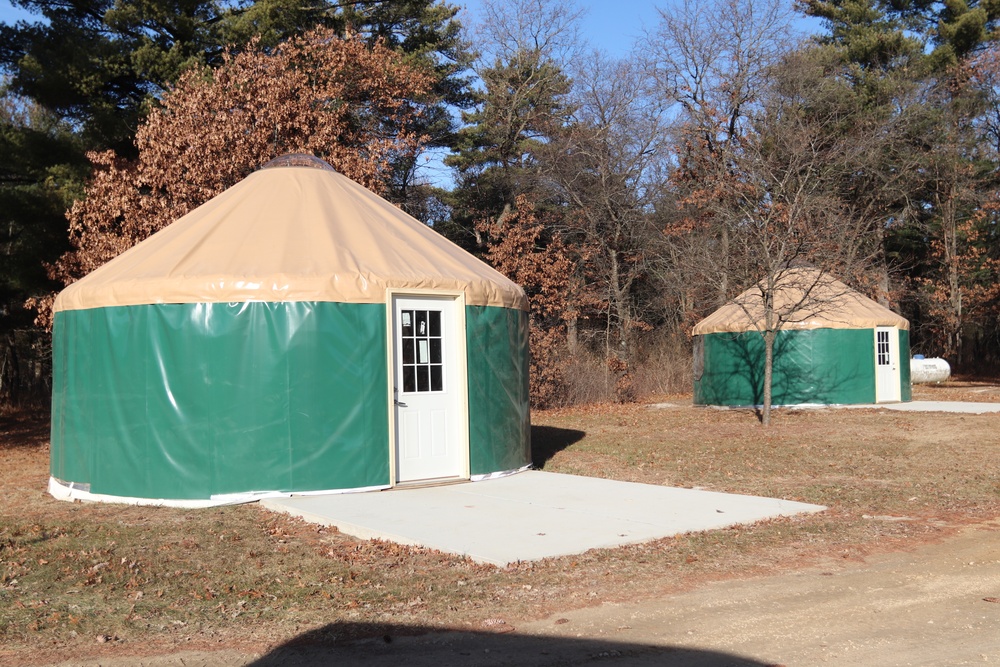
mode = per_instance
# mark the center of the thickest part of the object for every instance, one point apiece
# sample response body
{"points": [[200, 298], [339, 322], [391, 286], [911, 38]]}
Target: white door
{"points": [[886, 365], [429, 401]]}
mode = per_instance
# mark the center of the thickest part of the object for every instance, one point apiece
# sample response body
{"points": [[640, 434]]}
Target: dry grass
{"points": [[959, 389], [664, 368], [78, 579]]}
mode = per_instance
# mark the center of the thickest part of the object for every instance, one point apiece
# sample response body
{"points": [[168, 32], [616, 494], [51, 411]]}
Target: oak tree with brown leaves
{"points": [[519, 246], [347, 103]]}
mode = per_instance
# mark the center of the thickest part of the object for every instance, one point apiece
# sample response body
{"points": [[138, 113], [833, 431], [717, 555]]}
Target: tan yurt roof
{"points": [[830, 305], [293, 232]]}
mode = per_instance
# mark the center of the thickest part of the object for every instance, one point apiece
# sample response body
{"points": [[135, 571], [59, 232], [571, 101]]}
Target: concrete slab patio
{"points": [[964, 407], [532, 515], [960, 407]]}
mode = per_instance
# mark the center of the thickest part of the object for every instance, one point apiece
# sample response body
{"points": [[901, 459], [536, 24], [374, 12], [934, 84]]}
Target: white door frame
{"points": [[887, 391], [461, 372]]}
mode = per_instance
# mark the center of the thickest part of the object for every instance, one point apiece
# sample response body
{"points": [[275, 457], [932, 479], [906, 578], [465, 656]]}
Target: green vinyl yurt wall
{"points": [[826, 354], [242, 350]]}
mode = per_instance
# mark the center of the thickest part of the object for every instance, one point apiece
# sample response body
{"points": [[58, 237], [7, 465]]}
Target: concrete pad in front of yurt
{"points": [[962, 407], [531, 515]]}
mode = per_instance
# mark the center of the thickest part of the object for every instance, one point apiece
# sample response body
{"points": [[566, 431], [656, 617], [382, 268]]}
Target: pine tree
{"points": [[522, 107]]}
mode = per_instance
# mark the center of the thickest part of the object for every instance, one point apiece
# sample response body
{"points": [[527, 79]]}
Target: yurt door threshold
{"points": [[429, 389]]}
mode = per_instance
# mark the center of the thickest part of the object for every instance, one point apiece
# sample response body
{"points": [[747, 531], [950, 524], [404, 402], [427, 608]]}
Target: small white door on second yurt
{"points": [[886, 364], [427, 389]]}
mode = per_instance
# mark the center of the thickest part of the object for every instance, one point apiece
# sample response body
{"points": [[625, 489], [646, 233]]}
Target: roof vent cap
{"points": [[298, 160]]}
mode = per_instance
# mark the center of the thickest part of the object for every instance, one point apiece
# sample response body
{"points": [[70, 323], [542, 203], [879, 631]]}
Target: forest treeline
{"points": [[629, 196]]}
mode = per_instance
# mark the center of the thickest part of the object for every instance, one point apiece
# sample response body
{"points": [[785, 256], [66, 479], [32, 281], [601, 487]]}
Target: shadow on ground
{"points": [[428, 647], [547, 441], [24, 429]]}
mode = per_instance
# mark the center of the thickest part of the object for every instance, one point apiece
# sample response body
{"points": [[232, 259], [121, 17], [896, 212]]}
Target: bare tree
{"points": [[791, 201], [710, 62], [957, 198], [511, 28], [608, 166], [712, 59]]}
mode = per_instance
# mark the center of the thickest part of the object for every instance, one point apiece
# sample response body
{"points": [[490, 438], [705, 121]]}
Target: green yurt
{"points": [[837, 347], [295, 334]]}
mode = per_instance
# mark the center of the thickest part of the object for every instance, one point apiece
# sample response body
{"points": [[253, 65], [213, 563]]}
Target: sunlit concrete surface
{"points": [[966, 407], [532, 515]]}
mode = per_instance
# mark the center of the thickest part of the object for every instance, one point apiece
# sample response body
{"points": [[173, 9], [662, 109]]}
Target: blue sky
{"points": [[10, 14], [609, 25], [613, 26]]}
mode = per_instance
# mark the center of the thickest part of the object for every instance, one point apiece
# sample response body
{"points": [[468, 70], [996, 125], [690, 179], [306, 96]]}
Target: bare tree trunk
{"points": [[770, 334], [949, 238], [572, 334], [619, 305], [954, 288], [883, 279], [4, 387], [723, 296], [10, 372], [765, 414]]}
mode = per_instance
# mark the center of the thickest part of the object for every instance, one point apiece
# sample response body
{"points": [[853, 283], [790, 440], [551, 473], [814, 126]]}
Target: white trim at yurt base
{"points": [[785, 406], [69, 491], [498, 475]]}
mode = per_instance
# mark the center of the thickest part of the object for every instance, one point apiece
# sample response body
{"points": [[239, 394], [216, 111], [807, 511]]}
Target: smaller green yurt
{"points": [[837, 347], [295, 334]]}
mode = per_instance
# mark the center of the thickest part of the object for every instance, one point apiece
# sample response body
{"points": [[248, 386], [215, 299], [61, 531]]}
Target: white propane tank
{"points": [[923, 371]]}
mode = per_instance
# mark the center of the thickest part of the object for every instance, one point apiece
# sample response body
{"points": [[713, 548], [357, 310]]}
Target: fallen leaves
{"points": [[246, 587], [497, 625]]}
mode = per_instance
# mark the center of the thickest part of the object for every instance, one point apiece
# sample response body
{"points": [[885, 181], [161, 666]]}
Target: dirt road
{"points": [[929, 607], [938, 605]]}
